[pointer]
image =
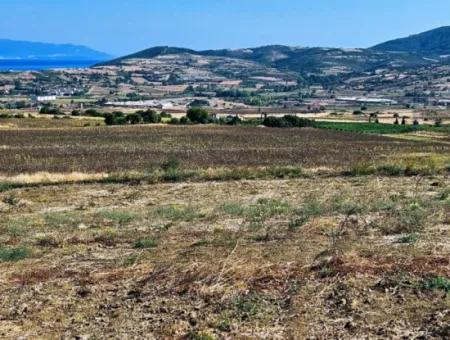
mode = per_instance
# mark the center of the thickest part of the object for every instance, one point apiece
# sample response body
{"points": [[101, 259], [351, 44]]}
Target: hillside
{"points": [[305, 61], [435, 42], [26, 50]]}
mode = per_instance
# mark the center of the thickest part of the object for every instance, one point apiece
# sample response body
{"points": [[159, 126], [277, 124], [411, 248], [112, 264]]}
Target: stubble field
{"points": [[223, 233], [144, 148]]}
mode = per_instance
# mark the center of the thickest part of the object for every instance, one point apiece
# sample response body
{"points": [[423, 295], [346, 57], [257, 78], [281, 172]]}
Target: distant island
{"points": [[27, 50], [27, 56]]}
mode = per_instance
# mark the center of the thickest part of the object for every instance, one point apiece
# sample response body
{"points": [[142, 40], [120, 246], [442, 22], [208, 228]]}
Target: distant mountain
{"points": [[435, 42], [26, 50], [301, 60], [416, 51]]}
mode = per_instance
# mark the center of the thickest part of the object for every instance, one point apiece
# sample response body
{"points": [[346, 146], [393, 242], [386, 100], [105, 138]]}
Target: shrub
{"points": [[93, 113], [115, 118], [287, 121], [184, 120], [133, 118], [198, 115], [50, 110], [275, 122], [295, 121], [149, 116], [174, 121], [235, 120], [172, 163]]}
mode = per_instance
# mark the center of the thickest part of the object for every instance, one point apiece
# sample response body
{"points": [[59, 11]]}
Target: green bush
{"points": [[50, 110], [134, 118], [172, 163], [198, 115], [149, 117], [288, 121], [115, 118], [93, 113], [174, 121], [184, 120]]}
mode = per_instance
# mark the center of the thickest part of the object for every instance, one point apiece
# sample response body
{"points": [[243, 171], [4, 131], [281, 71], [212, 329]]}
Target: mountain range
{"points": [[26, 50], [428, 48], [420, 50]]}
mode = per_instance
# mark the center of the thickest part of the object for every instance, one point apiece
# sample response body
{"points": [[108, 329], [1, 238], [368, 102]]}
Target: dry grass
{"points": [[46, 177], [223, 259]]}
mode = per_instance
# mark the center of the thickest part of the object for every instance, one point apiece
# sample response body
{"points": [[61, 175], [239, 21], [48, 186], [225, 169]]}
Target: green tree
{"points": [[198, 115], [150, 116]]}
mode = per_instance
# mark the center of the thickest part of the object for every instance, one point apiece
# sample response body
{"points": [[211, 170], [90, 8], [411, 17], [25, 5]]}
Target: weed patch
{"points": [[145, 244], [14, 254], [439, 282], [119, 217], [178, 213]]}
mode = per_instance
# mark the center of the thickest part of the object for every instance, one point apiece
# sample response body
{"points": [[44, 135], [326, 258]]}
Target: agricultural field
{"points": [[223, 232], [146, 148]]}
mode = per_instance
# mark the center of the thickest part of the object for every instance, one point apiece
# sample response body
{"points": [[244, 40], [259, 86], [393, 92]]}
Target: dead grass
{"points": [[173, 260]]}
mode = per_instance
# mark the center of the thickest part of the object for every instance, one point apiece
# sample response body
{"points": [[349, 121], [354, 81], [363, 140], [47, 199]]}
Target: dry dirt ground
{"points": [[317, 258]]}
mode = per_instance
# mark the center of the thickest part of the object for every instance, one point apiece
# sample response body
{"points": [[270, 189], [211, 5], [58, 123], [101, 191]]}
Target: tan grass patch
{"points": [[47, 177]]}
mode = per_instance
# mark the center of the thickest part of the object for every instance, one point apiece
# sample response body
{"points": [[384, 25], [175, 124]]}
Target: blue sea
{"points": [[38, 65]]}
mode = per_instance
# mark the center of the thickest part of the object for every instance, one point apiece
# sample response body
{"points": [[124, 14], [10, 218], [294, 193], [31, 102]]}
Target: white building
{"points": [[42, 99]]}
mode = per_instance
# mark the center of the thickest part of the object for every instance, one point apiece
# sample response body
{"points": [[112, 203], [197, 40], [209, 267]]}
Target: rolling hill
{"points": [[435, 42], [416, 51]]}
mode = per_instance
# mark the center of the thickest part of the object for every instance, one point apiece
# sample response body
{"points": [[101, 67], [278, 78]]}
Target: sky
{"points": [[119, 27]]}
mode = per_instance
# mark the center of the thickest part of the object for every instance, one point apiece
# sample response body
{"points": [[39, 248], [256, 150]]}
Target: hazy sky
{"points": [[122, 26]]}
